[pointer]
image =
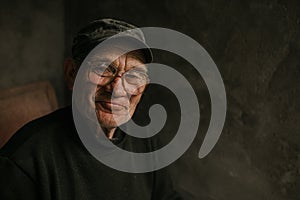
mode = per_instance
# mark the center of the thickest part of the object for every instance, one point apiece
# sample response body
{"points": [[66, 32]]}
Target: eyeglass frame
{"points": [[115, 74]]}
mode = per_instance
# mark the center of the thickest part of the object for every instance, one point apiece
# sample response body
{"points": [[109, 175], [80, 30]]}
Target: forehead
{"points": [[118, 57]]}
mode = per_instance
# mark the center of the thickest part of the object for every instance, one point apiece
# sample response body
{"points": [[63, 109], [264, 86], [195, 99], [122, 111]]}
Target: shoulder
{"points": [[39, 132]]}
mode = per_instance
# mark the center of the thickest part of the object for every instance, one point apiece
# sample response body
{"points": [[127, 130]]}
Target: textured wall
{"points": [[32, 43], [256, 47]]}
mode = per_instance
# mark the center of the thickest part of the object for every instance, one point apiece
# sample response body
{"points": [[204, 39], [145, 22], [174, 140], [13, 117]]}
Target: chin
{"points": [[107, 120]]}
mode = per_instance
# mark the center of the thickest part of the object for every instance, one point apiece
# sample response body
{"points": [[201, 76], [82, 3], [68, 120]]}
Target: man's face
{"points": [[113, 102]]}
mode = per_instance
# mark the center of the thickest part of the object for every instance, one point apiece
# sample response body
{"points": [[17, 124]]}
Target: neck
{"points": [[109, 132]]}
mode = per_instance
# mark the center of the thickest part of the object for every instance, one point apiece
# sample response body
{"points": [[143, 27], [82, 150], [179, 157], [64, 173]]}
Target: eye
{"points": [[99, 70], [135, 77], [104, 70], [112, 69]]}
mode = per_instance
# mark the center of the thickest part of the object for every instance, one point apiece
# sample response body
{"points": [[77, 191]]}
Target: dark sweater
{"points": [[46, 160]]}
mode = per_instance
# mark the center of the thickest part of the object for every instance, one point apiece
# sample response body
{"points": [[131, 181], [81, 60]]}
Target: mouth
{"points": [[108, 106]]}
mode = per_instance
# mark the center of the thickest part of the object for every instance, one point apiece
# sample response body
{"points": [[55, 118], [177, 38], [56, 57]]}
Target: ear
{"points": [[70, 69]]}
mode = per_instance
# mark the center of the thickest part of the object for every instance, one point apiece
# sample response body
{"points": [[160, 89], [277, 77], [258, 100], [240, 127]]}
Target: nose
{"points": [[117, 88]]}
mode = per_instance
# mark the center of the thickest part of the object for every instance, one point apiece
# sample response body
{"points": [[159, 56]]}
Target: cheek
{"points": [[134, 100], [89, 94]]}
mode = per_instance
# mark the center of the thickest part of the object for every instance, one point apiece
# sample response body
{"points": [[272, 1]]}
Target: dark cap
{"points": [[99, 30]]}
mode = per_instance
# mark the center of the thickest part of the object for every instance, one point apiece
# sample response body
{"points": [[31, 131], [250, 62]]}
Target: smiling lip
{"points": [[108, 105]]}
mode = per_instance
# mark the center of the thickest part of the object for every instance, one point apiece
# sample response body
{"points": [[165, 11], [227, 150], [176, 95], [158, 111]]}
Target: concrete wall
{"points": [[32, 43], [256, 46]]}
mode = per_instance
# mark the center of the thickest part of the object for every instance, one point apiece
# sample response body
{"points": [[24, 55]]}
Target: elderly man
{"points": [[46, 158]]}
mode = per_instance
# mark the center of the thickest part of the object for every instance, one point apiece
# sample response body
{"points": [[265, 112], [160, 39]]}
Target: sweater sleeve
{"points": [[14, 182]]}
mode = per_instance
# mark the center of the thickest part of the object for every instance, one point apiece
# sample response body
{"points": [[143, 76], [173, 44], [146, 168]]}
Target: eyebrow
{"points": [[104, 60], [141, 68]]}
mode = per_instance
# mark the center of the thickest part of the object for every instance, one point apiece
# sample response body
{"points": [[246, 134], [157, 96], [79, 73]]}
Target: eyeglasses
{"points": [[133, 80]]}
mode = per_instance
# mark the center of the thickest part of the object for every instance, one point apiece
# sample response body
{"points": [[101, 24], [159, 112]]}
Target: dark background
{"points": [[256, 46]]}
